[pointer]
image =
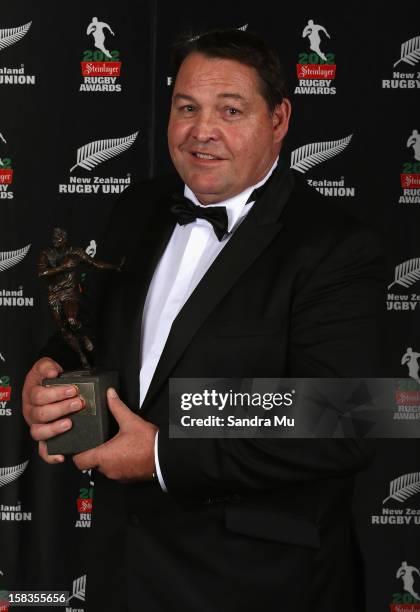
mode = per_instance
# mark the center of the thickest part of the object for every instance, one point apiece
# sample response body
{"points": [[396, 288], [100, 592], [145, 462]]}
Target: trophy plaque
{"points": [[91, 424], [60, 266]]}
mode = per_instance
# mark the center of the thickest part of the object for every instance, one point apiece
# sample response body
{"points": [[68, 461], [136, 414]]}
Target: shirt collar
{"points": [[236, 207]]}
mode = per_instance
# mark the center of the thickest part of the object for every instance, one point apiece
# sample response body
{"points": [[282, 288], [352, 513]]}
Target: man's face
{"points": [[222, 137], [58, 239]]}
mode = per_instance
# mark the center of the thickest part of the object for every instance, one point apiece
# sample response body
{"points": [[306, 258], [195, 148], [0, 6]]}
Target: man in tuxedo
{"points": [[233, 269]]}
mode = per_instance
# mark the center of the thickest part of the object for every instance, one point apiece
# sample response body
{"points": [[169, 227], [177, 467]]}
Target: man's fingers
{"points": [[41, 406], [47, 368], [36, 408], [40, 396], [44, 432], [51, 412], [43, 453]]}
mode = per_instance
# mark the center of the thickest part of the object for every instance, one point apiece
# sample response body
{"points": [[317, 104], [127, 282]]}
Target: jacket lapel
{"points": [[138, 274], [255, 233]]}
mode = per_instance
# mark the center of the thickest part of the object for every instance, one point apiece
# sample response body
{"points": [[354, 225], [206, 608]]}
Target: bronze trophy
{"points": [[60, 267]]}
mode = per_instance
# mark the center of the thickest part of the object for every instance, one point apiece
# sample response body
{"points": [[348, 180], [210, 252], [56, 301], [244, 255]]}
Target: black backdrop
{"points": [[49, 111]]}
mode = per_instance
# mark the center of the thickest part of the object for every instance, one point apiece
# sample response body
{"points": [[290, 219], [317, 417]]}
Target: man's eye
{"points": [[232, 111], [188, 108]]}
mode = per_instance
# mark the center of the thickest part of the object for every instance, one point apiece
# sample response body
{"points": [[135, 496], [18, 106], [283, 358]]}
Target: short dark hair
{"points": [[244, 47]]}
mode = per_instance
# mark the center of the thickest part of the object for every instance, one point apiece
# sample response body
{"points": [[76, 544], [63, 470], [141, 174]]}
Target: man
{"points": [[278, 283]]}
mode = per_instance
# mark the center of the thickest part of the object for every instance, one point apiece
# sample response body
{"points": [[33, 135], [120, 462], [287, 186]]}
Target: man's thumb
{"points": [[116, 406], [112, 394]]}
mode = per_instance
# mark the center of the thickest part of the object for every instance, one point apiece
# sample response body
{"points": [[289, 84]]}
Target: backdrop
{"points": [[84, 99]]}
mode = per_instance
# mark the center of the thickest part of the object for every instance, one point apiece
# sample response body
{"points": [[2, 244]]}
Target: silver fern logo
{"points": [[91, 156], [8, 259], [404, 487], [409, 58], [94, 153], [407, 273], [15, 75], [78, 589], [10, 36], [9, 474], [410, 52], [311, 155], [401, 507]]}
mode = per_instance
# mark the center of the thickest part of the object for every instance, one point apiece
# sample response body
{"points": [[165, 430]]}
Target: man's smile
{"points": [[203, 157]]}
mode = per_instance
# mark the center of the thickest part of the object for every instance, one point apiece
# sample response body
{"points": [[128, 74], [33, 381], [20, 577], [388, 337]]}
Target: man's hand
{"points": [[128, 456], [43, 408]]}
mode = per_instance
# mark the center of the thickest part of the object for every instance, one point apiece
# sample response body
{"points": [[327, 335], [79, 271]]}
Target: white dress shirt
{"points": [[189, 254]]}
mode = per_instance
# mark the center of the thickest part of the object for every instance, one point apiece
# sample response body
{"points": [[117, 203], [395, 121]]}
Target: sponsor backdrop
{"points": [[84, 100]]}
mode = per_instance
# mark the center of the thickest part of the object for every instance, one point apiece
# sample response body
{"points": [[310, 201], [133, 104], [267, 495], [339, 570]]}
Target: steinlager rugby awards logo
{"points": [[6, 172], [307, 157], [91, 155], [401, 504], [406, 275], [408, 60], [13, 297], [407, 395], [14, 75], [4, 593], [409, 600], [5, 395], [410, 174], [84, 503], [13, 513], [101, 68], [315, 69]]}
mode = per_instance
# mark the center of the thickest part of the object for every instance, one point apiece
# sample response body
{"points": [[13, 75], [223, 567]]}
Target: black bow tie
{"points": [[187, 212]]}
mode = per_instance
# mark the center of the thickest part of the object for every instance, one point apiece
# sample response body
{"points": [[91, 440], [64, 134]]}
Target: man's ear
{"points": [[281, 117]]}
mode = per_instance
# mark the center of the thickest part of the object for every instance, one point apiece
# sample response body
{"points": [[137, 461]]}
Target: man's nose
{"points": [[205, 127]]}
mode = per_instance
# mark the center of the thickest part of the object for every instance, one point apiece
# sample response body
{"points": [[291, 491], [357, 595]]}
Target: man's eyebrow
{"points": [[236, 96], [180, 96]]}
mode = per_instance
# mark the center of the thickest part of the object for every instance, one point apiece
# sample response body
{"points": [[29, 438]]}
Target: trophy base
{"points": [[91, 423]]}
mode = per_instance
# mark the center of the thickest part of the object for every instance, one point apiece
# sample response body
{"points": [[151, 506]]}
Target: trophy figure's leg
{"points": [[73, 333]]}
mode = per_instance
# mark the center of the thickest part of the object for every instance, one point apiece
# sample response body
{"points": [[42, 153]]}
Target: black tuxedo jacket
{"points": [[247, 523]]}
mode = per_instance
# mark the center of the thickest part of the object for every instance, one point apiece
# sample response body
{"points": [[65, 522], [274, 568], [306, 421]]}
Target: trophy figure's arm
{"points": [[45, 269], [96, 263]]}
